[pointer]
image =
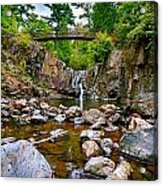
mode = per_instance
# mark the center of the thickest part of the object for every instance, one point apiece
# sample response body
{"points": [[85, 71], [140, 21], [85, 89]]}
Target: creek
{"points": [[65, 155]]}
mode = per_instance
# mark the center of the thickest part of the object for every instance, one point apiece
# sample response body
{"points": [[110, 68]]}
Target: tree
{"points": [[132, 25], [61, 16], [35, 25], [86, 7], [15, 16], [103, 17]]}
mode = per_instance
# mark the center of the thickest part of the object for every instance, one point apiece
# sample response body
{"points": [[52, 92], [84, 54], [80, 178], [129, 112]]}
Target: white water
{"points": [[81, 95]]}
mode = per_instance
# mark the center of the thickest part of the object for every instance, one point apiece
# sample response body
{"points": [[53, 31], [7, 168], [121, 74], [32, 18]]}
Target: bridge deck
{"points": [[64, 37]]}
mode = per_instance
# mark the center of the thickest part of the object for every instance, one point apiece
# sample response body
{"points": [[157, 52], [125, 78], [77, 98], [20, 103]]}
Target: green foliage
{"points": [[133, 25], [15, 16], [82, 56], [85, 54], [37, 26], [61, 16], [8, 23], [103, 17], [121, 19]]}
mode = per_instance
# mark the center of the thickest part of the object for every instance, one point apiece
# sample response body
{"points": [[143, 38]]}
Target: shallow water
{"points": [[67, 150], [87, 103]]}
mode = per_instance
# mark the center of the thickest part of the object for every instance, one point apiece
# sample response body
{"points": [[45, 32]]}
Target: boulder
{"points": [[7, 140], [78, 120], [141, 145], [106, 145], [108, 109], [44, 105], [106, 170], [21, 159], [62, 107], [73, 111], [58, 133], [91, 135], [105, 107], [60, 118], [92, 116], [77, 174], [51, 114], [32, 102], [122, 171], [138, 124], [99, 124], [39, 119], [96, 164], [4, 113], [36, 112], [27, 110], [19, 104], [91, 148]]}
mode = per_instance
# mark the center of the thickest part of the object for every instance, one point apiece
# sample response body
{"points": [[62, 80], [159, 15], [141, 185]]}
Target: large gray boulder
{"points": [[21, 159], [141, 145]]}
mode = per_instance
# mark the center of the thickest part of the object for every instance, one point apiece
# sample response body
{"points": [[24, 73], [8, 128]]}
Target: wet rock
{"points": [[77, 174], [151, 121], [5, 101], [44, 105], [24, 119], [96, 164], [106, 145], [105, 107], [106, 170], [91, 148], [111, 127], [58, 133], [73, 111], [141, 145], [39, 119], [78, 120], [53, 109], [4, 113], [108, 109], [91, 135], [36, 112], [115, 118], [60, 118], [99, 124], [32, 102], [8, 140], [27, 110], [93, 115], [15, 112], [51, 114], [4, 106], [19, 104], [138, 124], [21, 159], [62, 107], [115, 146], [122, 171]]}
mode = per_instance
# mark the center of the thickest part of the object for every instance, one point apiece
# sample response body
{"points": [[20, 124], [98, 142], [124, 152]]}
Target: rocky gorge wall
{"points": [[128, 73]]}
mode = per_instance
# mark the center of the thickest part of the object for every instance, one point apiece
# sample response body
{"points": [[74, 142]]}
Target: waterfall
{"points": [[81, 95], [78, 80]]}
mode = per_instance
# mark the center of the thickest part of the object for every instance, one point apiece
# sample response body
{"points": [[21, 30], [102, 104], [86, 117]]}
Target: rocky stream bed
{"points": [[103, 141]]}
